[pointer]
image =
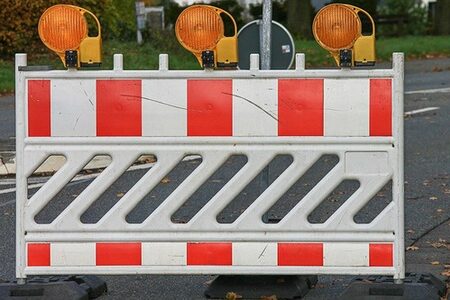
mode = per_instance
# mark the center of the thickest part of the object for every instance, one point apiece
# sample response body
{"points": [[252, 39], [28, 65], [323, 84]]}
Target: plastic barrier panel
{"points": [[354, 115]]}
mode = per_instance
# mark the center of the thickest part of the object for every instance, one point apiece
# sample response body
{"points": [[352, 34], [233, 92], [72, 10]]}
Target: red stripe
{"points": [[380, 107], [38, 255], [210, 110], [119, 108], [39, 108], [381, 255], [118, 254], [209, 254], [300, 107], [300, 254]]}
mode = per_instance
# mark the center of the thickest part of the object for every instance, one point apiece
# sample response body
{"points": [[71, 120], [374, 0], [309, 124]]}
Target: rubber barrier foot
{"points": [[55, 287], [414, 287], [258, 286], [49, 291]]}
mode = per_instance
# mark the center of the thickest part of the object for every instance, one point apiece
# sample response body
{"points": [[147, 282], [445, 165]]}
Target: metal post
{"points": [[266, 35], [398, 187], [21, 180], [140, 20]]}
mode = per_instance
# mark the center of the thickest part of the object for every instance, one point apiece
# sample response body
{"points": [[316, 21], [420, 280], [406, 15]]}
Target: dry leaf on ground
{"points": [[412, 248], [232, 296]]}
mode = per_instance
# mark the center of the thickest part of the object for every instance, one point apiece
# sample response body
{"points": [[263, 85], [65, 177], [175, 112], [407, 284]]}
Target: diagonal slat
{"points": [[70, 217], [296, 219], [114, 219], [386, 220], [252, 217], [33, 160], [207, 215], [56, 183], [161, 217], [342, 219]]}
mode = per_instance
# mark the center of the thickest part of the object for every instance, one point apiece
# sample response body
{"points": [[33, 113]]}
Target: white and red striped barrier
{"points": [[225, 107], [355, 115]]}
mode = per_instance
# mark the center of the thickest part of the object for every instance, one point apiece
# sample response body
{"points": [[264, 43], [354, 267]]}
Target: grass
{"points": [[146, 56]]}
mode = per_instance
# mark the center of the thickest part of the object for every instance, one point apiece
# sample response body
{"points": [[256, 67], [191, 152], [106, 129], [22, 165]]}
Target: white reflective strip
{"points": [[72, 254], [73, 107], [255, 107], [164, 254], [345, 254], [255, 254], [346, 107], [164, 107]]}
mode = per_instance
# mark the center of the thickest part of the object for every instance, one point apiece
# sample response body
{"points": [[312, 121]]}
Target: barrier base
{"points": [[414, 287], [257, 286], [55, 287]]}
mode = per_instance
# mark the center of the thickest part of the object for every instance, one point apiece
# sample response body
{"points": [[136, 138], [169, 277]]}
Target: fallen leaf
{"points": [[410, 231], [438, 245], [232, 296], [435, 263], [165, 180], [439, 210], [412, 248], [120, 194]]}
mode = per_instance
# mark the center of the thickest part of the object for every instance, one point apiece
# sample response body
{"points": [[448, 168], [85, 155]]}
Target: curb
{"points": [[54, 164]]}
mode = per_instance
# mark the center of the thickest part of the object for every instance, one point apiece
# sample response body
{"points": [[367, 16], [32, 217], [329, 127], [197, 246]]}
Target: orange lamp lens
{"points": [[199, 28], [62, 28], [336, 27]]}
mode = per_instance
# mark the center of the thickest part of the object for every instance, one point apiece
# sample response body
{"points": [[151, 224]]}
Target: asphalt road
{"points": [[427, 196]]}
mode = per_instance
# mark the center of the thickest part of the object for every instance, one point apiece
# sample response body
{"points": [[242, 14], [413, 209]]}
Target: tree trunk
{"points": [[442, 22], [299, 17]]}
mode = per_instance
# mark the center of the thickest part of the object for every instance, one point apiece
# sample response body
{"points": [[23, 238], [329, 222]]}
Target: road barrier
{"points": [[356, 115]]}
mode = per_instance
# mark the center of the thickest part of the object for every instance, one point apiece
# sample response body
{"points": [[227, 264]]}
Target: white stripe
{"points": [[346, 107], [419, 111], [72, 254], [164, 107], [164, 254], [255, 107], [73, 107], [345, 254], [255, 254], [429, 91]]}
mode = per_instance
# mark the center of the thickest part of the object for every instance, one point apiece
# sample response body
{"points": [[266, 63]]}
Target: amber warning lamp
{"points": [[200, 29], [64, 30], [348, 33]]}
